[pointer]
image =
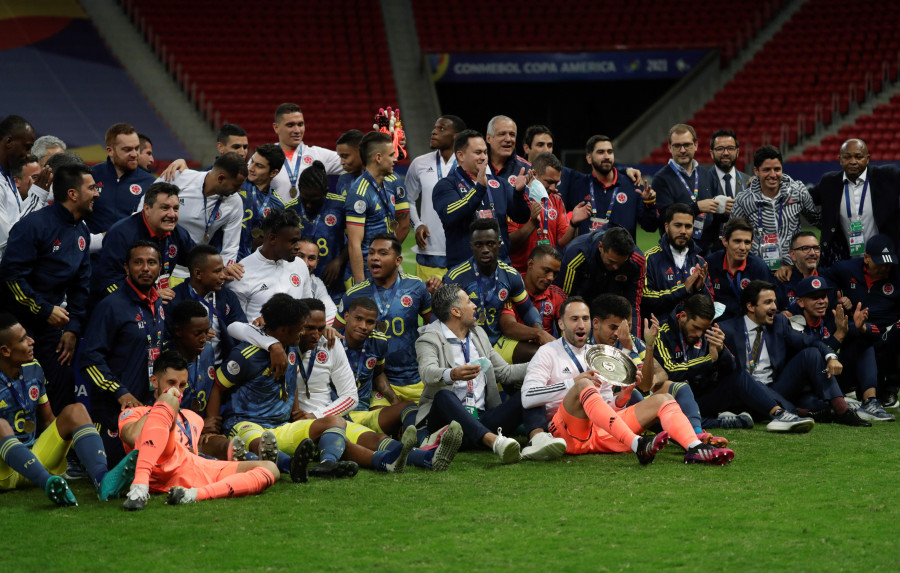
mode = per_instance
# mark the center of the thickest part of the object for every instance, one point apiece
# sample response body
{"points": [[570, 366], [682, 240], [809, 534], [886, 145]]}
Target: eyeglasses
{"points": [[680, 146], [729, 149], [807, 248]]}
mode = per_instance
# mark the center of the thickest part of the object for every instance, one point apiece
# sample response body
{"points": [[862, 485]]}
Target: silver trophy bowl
{"points": [[614, 366]]}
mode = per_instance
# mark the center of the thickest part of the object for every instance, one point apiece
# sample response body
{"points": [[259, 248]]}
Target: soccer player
{"points": [[773, 205], [210, 203], [308, 251], [458, 390], [675, 269], [274, 267], [18, 137], [401, 300], [805, 253], [258, 195], [120, 182], [492, 284], [49, 265], [165, 435], [259, 401], [157, 223], [145, 153], [731, 270], [371, 207], [581, 406], [605, 261], [548, 224], [33, 443], [290, 127], [469, 192], [682, 181], [232, 138], [423, 174], [543, 266]]}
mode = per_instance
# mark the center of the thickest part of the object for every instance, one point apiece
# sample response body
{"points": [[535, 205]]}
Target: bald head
{"points": [[854, 158]]}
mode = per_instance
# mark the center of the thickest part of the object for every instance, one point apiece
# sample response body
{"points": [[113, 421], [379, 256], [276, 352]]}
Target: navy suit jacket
{"points": [[782, 342]]}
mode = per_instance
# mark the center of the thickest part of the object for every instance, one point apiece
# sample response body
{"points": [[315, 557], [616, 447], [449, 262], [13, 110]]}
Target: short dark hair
{"points": [[199, 254], [535, 130], [117, 129], [593, 141], [699, 306], [279, 219], [363, 302], [766, 152], [58, 160], [750, 293], [545, 160], [445, 299], [351, 138], [722, 133], [457, 122], [461, 141], [232, 164], [283, 310], [396, 245], [608, 304], [736, 224], [314, 178], [484, 225], [140, 244], [369, 144], [143, 140], [157, 189], [572, 299], [313, 304], [7, 321], [619, 240], [273, 154], [169, 359], [545, 250], [677, 209], [18, 169], [68, 177], [229, 130], [309, 239], [284, 109], [802, 234], [13, 124], [187, 310]]}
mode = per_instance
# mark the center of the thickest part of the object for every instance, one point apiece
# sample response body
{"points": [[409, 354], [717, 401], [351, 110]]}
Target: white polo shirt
{"points": [[424, 173], [330, 366], [264, 277], [304, 155], [10, 208]]}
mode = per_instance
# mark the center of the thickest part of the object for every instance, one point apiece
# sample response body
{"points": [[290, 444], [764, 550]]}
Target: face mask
{"points": [[537, 191]]}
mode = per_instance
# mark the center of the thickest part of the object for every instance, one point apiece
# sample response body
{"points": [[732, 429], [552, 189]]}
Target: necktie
{"points": [[754, 354], [728, 189]]}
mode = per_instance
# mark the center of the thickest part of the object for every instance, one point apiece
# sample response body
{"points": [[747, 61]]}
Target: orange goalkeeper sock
{"points": [[676, 424], [154, 441], [604, 417], [236, 485]]}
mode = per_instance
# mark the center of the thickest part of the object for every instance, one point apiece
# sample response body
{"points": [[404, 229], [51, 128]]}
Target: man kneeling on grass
{"points": [[584, 412]]}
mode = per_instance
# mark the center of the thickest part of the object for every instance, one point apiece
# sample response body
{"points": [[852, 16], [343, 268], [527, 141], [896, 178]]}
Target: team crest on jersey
{"points": [[266, 211], [81, 243], [816, 283], [406, 300], [360, 206], [211, 372], [34, 393], [135, 189], [227, 309], [292, 358], [321, 357], [393, 200], [401, 192], [173, 251], [547, 308], [295, 280], [744, 283], [218, 214], [370, 363], [888, 289], [621, 278], [330, 220], [552, 214], [162, 314], [502, 294], [512, 180], [621, 198], [493, 183], [307, 159], [233, 367], [825, 332], [112, 434]]}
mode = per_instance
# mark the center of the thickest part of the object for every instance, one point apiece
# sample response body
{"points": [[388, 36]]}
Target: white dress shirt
{"points": [[461, 387], [870, 229], [421, 178], [763, 372]]}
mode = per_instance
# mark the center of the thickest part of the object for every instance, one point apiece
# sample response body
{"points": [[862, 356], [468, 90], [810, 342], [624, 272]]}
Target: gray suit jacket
{"points": [[435, 354]]}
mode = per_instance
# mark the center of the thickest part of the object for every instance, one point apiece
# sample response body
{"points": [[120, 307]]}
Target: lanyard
{"points": [[140, 315], [12, 185], [612, 200], [383, 307], [20, 398], [438, 161], [166, 257], [684, 346], [210, 306], [759, 219], [359, 361], [572, 356], [862, 198], [681, 176], [466, 349], [260, 208], [306, 373], [381, 191], [483, 293], [752, 361], [313, 222], [735, 282], [294, 175], [545, 223], [212, 216], [185, 427]]}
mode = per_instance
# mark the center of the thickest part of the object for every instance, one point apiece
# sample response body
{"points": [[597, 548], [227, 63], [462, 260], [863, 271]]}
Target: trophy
{"points": [[613, 366], [388, 121]]}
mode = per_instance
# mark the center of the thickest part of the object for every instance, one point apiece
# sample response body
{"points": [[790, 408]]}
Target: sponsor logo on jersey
{"points": [[621, 198], [81, 243], [406, 300], [502, 294], [330, 220], [135, 189], [322, 357], [370, 363], [360, 206], [493, 184], [56, 245], [233, 367], [34, 393], [295, 279]]}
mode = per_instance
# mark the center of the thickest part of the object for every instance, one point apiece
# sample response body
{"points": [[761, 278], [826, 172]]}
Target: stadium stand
{"points": [[878, 129], [343, 61]]}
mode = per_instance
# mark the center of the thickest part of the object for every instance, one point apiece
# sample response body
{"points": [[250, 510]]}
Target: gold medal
{"points": [[206, 238], [257, 233], [29, 426], [482, 317], [383, 327], [293, 191], [392, 226], [196, 405]]}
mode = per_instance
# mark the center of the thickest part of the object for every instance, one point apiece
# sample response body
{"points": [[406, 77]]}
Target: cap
{"points": [[881, 249], [809, 285]]}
